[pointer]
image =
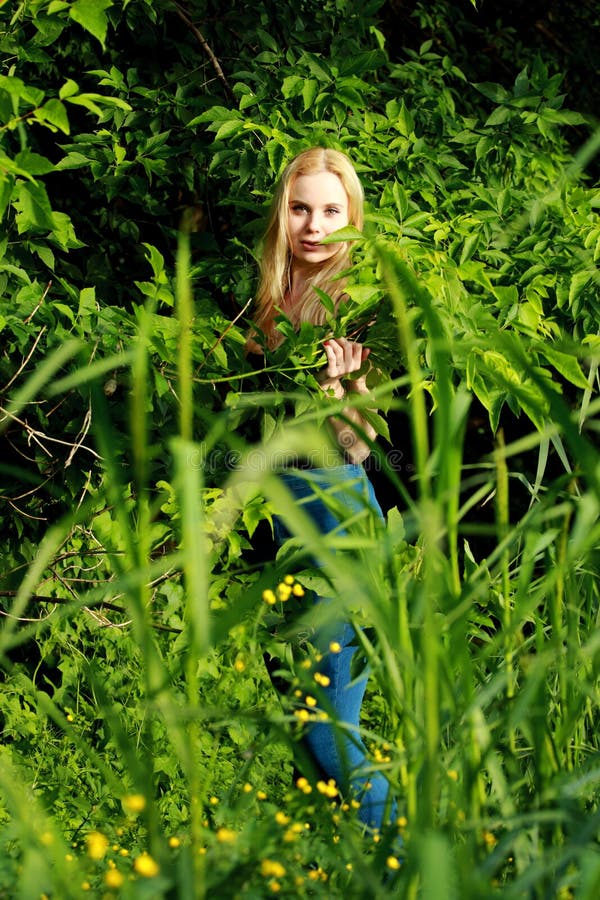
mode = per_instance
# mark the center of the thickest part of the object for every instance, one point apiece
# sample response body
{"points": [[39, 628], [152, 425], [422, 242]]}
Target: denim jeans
{"points": [[339, 752]]}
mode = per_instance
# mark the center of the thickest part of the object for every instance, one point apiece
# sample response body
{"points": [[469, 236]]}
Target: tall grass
{"points": [[483, 702]]}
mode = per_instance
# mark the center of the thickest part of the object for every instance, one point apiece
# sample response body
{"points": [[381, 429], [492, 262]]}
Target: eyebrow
{"points": [[336, 203]]}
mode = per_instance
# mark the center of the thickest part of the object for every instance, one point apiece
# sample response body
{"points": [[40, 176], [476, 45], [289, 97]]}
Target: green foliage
{"points": [[139, 725]]}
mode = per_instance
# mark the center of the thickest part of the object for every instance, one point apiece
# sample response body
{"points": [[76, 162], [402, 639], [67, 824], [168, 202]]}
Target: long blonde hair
{"points": [[276, 258]]}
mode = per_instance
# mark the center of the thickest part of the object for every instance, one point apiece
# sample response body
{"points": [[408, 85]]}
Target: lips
{"points": [[310, 245]]}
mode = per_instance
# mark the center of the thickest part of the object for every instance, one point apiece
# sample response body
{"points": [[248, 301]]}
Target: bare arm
{"points": [[343, 358]]}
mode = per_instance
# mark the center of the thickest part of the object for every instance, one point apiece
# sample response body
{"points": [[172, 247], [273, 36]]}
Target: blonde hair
{"points": [[276, 258]]}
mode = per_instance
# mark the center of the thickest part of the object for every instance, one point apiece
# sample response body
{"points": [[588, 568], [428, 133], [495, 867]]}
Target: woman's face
{"points": [[318, 205]]}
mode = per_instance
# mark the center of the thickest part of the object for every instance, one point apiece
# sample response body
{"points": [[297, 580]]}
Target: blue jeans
{"points": [[340, 753]]}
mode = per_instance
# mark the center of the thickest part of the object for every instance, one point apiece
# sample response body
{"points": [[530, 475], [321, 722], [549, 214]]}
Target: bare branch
{"points": [[183, 15]]}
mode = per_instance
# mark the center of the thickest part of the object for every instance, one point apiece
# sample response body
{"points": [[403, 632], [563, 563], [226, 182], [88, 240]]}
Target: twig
{"points": [[57, 601], [183, 15], [222, 336]]}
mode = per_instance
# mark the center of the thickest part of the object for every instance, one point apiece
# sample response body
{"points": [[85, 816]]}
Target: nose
{"points": [[313, 224]]}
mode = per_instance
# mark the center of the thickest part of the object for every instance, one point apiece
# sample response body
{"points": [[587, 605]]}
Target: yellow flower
{"points": [[289, 579], [247, 789], [321, 679], [490, 839], [214, 801], [303, 785], [453, 774], [146, 866], [298, 590], [310, 701], [97, 845], [402, 822], [302, 714], [270, 867], [393, 863], [335, 647], [134, 803], [281, 818], [226, 835], [113, 878], [284, 591], [269, 597], [328, 789], [261, 795], [174, 842], [239, 665], [274, 886]]}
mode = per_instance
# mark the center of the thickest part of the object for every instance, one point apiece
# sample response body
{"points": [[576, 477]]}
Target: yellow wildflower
{"points": [[490, 839], [281, 818], [393, 863], [289, 579], [298, 590], [134, 803], [335, 647], [302, 714], [261, 795], [283, 591], [270, 867], [145, 866], [113, 878], [303, 785], [269, 597], [239, 665], [274, 886], [310, 701], [247, 788], [327, 788], [174, 842], [226, 835], [97, 845], [321, 679]]}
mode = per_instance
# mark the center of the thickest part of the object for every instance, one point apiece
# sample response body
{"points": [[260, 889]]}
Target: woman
{"points": [[318, 194]]}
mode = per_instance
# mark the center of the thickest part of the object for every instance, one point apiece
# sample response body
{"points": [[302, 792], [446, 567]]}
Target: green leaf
{"points": [[348, 233], [33, 163], [54, 113], [90, 14], [292, 86], [69, 88], [567, 365], [309, 92], [33, 207]]}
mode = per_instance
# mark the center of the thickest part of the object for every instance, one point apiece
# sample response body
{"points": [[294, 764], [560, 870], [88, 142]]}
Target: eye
{"points": [[332, 211], [299, 207]]}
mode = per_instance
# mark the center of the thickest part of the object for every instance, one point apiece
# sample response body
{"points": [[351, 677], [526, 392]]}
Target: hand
{"points": [[343, 357]]}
